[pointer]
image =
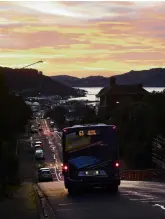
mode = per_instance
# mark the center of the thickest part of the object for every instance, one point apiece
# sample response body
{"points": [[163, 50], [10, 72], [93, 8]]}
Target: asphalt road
{"points": [[135, 200]]}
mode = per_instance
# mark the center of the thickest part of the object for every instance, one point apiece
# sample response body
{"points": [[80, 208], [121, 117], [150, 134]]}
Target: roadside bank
{"points": [[23, 202]]}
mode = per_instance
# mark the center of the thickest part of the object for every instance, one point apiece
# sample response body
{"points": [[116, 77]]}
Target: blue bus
{"points": [[90, 157]]}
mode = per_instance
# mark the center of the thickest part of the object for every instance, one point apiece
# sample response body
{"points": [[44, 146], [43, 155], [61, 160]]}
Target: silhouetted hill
{"points": [[91, 81], [65, 79], [30, 82], [148, 78]]}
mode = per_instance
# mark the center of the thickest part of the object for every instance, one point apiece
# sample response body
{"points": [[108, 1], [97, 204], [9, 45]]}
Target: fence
{"points": [[137, 175], [158, 157]]}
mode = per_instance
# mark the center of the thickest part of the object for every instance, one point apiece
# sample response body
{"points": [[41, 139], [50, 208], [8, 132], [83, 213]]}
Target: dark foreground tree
{"points": [[138, 123], [14, 114]]}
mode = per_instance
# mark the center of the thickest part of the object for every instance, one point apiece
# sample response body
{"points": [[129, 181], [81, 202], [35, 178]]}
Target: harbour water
{"points": [[92, 91]]}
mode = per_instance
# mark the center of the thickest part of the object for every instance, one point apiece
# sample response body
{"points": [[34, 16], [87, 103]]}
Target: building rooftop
{"points": [[120, 89]]}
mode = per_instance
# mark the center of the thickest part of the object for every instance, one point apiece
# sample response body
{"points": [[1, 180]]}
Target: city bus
{"points": [[90, 157]]}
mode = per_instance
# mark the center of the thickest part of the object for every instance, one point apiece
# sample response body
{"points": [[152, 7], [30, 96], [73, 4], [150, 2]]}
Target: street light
{"points": [[32, 64]]}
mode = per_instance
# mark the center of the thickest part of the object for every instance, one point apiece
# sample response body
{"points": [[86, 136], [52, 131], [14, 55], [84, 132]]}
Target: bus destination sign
{"points": [[88, 132]]}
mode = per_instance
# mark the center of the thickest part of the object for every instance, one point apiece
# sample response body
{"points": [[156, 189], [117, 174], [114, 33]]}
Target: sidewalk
{"points": [[23, 204]]}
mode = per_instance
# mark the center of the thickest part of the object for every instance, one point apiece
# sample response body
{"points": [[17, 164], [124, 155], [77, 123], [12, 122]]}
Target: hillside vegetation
{"points": [[31, 82]]}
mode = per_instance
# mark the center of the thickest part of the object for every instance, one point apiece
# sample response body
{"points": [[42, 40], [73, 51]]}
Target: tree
{"points": [[89, 115], [58, 115], [30, 82], [138, 123], [14, 114], [135, 132]]}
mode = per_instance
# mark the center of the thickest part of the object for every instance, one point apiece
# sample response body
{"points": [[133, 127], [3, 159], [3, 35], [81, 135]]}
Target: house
{"points": [[110, 97]]}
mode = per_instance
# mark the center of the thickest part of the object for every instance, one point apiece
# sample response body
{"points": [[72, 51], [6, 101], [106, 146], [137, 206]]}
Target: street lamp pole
{"points": [[32, 64]]}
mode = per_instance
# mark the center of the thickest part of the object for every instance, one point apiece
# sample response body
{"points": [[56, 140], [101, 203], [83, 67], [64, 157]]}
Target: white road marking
{"points": [[59, 175], [153, 201], [66, 204], [161, 206], [142, 200], [75, 209], [56, 174]]}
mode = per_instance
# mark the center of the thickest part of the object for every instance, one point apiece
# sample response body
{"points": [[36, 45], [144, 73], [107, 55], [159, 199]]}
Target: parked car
{"points": [[38, 143], [39, 154], [37, 147], [44, 174], [33, 131]]}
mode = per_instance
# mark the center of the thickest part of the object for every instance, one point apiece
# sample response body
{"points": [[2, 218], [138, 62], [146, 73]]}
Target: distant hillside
{"points": [[92, 81], [30, 82], [65, 79], [148, 78]]}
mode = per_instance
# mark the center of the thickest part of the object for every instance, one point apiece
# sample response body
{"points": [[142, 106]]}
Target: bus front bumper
{"points": [[93, 182]]}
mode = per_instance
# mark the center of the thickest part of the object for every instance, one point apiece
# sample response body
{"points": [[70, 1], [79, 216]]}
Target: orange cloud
{"points": [[83, 38]]}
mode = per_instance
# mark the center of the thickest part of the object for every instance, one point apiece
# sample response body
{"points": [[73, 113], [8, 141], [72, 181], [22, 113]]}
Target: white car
{"points": [[38, 142], [44, 174]]}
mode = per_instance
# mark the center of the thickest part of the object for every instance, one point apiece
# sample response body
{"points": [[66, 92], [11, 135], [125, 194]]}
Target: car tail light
{"points": [[117, 164], [65, 167]]}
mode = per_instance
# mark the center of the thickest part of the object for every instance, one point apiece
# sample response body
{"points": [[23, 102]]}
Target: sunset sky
{"points": [[83, 38]]}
